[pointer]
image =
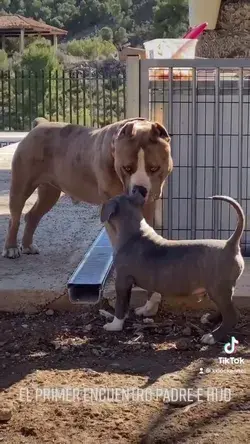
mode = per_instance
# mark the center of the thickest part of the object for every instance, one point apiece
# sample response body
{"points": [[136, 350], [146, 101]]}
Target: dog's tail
{"points": [[234, 240], [38, 121]]}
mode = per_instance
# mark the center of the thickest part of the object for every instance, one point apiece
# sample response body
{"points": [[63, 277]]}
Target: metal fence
{"points": [[205, 104], [90, 96]]}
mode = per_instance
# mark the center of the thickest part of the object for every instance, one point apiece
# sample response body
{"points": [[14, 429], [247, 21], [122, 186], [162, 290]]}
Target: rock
{"points": [[187, 331], [25, 325], [148, 321], [5, 413], [65, 349], [49, 312], [56, 344], [90, 372], [115, 364], [87, 327], [183, 344]]}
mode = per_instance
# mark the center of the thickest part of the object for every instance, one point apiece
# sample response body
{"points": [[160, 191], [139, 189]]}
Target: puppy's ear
{"points": [[159, 130], [127, 130], [108, 210]]}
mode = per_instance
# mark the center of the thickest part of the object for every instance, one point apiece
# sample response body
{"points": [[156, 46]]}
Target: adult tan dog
{"points": [[90, 165]]}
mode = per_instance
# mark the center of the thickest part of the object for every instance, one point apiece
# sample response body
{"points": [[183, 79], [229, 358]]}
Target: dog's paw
{"points": [[205, 318], [115, 325], [32, 249], [11, 253], [106, 314], [149, 309], [208, 339]]}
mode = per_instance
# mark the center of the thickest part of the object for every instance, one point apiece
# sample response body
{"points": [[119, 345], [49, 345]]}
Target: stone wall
{"points": [[231, 38]]}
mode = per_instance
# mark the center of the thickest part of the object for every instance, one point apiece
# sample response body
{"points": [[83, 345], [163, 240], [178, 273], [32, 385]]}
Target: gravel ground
{"points": [[63, 237]]}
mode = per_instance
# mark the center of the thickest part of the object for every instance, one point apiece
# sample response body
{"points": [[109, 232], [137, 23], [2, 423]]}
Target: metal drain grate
{"points": [[86, 284]]}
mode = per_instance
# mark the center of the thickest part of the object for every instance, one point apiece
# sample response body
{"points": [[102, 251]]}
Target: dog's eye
{"points": [[128, 169], [154, 169]]}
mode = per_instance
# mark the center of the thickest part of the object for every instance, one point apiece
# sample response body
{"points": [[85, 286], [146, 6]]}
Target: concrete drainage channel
{"points": [[87, 283]]}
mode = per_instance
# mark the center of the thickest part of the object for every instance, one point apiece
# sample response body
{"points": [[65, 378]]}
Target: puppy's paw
{"points": [[11, 253], [205, 318], [208, 339], [149, 309], [32, 249], [115, 325]]}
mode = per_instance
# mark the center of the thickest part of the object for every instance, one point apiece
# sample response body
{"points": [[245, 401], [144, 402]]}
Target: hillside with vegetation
{"points": [[83, 82], [117, 21]]}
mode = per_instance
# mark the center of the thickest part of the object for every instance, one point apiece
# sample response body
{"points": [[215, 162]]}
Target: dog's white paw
{"points": [[205, 318], [149, 309], [11, 253], [144, 311], [32, 249], [115, 325], [208, 339]]}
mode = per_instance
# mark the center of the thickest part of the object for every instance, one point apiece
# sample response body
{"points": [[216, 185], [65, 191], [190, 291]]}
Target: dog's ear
{"points": [[127, 130], [159, 130], [108, 210]]}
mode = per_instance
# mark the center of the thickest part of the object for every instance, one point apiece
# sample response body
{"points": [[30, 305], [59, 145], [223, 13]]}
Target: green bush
{"points": [[106, 34], [3, 60], [39, 56], [91, 49]]}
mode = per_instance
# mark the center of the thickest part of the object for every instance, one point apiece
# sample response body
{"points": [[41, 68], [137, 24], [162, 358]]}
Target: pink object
{"points": [[195, 32]]}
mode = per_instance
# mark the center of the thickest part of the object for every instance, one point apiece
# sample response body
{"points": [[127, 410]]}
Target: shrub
{"points": [[91, 48], [39, 56], [3, 60], [106, 34]]}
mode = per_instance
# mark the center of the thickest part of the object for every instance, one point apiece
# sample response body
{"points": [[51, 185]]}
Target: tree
{"points": [[170, 18], [120, 36], [106, 34]]}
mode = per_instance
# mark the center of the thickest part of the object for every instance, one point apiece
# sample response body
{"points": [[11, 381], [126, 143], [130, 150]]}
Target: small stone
{"points": [[187, 331], [115, 364], [5, 413], [204, 348], [95, 352], [56, 344], [65, 349], [25, 325], [90, 372], [87, 328], [183, 344], [49, 312], [148, 321]]}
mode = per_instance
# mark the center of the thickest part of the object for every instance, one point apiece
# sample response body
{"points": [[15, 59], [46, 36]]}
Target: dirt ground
{"points": [[53, 350]]}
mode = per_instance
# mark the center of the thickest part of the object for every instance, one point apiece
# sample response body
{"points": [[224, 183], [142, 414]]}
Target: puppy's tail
{"points": [[38, 121], [234, 240]]}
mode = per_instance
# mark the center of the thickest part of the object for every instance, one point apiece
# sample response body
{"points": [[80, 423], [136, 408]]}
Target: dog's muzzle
{"points": [[142, 190]]}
